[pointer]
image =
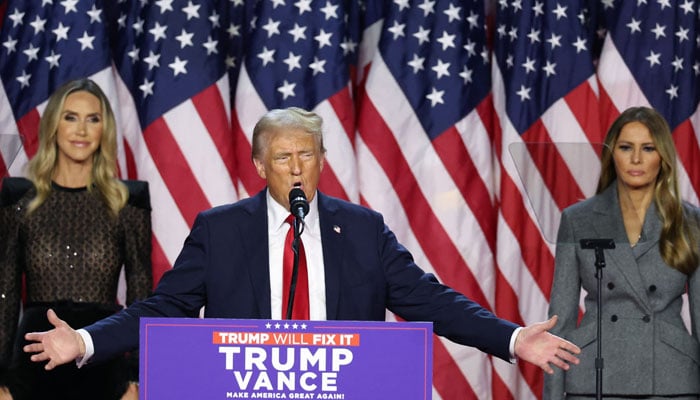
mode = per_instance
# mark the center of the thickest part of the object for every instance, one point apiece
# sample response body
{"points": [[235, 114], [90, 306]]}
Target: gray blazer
{"points": [[645, 346]]}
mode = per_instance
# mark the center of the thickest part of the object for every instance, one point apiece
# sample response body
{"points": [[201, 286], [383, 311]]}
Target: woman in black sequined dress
{"points": [[66, 233]]}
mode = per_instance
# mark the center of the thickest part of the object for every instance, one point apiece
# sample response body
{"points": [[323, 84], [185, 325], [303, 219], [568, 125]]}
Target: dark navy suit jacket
{"points": [[224, 267]]}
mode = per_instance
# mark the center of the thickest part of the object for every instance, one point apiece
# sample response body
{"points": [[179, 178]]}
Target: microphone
{"points": [[298, 205]]}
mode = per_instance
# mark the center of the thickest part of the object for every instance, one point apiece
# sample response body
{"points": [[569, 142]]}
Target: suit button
{"points": [[611, 285], [613, 318], [646, 318], [652, 288]]}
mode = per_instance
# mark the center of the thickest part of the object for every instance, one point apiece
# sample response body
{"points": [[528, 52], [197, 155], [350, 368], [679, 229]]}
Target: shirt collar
{"points": [[276, 214]]}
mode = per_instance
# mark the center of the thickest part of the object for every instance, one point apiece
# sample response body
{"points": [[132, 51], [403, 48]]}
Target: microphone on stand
{"points": [[298, 205]]}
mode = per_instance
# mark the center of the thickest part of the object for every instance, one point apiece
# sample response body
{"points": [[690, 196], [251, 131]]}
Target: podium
{"points": [[189, 358]]}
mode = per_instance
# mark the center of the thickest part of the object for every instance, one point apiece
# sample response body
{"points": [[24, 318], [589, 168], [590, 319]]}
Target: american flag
{"points": [[470, 124]]}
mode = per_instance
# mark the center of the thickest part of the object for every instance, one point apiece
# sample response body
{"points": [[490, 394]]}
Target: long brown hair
{"points": [[679, 238], [104, 167]]}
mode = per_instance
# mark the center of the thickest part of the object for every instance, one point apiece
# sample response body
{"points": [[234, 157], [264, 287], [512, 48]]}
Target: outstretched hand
{"points": [[60, 345], [536, 345]]}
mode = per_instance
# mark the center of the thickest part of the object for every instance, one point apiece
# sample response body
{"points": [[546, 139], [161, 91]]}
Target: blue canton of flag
{"points": [[167, 51], [543, 51], [435, 51], [45, 43], [300, 52], [659, 43]]}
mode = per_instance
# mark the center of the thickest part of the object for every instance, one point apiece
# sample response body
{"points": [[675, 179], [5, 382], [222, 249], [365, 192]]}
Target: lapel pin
{"points": [[336, 228]]}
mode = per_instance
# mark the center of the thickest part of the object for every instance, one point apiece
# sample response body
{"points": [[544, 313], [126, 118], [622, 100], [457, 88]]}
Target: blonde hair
{"points": [[679, 238], [291, 118], [104, 166]]}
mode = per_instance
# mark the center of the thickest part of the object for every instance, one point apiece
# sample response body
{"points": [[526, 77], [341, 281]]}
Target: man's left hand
{"points": [[536, 345]]}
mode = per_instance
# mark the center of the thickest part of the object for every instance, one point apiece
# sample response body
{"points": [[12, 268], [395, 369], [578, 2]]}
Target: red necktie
{"points": [[301, 297]]}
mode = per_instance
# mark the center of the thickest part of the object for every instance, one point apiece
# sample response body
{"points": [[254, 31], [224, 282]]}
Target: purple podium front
{"points": [[183, 358]]}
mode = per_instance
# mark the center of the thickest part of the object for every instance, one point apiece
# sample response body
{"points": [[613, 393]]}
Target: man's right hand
{"points": [[60, 345]]}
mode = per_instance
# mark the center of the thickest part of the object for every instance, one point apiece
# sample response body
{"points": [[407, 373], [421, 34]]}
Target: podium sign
{"points": [[182, 358]]}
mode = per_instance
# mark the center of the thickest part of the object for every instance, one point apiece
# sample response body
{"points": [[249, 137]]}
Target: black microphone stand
{"points": [[599, 245], [298, 229]]}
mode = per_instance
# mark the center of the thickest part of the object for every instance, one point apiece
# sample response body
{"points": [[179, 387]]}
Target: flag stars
{"points": [[11, 45], [152, 60], [538, 8], [549, 68], [266, 55], [292, 61], [348, 46], [403, 4], [554, 41], [318, 66], [69, 5], [178, 66], [534, 35], [473, 20], [61, 32], [192, 10], [210, 45], [687, 7], [653, 58], [416, 63], [452, 13], [446, 40], [138, 26], [330, 11], [682, 34], [470, 47], [466, 75], [580, 44], [664, 4], [298, 32], [428, 7], [165, 5], [24, 79], [185, 39], [287, 89], [529, 65], [523, 93], [672, 92], [397, 29], [272, 27], [659, 31], [31, 52], [86, 41], [38, 25], [634, 26], [95, 14], [323, 38], [133, 54], [435, 97], [677, 64], [560, 11], [441, 69], [158, 31], [303, 6], [422, 35], [146, 88], [16, 18], [52, 59], [214, 19], [233, 30]]}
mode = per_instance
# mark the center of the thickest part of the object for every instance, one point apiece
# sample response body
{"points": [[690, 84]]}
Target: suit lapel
{"points": [[332, 242], [255, 241], [621, 260]]}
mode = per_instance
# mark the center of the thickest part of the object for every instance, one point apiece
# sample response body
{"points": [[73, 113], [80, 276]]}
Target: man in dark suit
{"points": [[231, 265]]}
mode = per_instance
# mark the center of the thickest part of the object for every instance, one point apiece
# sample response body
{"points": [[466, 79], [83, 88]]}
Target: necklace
{"points": [[638, 239]]}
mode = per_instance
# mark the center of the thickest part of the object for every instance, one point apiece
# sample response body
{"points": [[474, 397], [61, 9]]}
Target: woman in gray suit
{"points": [[647, 350]]}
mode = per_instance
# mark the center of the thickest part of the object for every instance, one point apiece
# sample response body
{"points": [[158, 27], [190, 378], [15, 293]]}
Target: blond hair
{"points": [[104, 166], [679, 238]]}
